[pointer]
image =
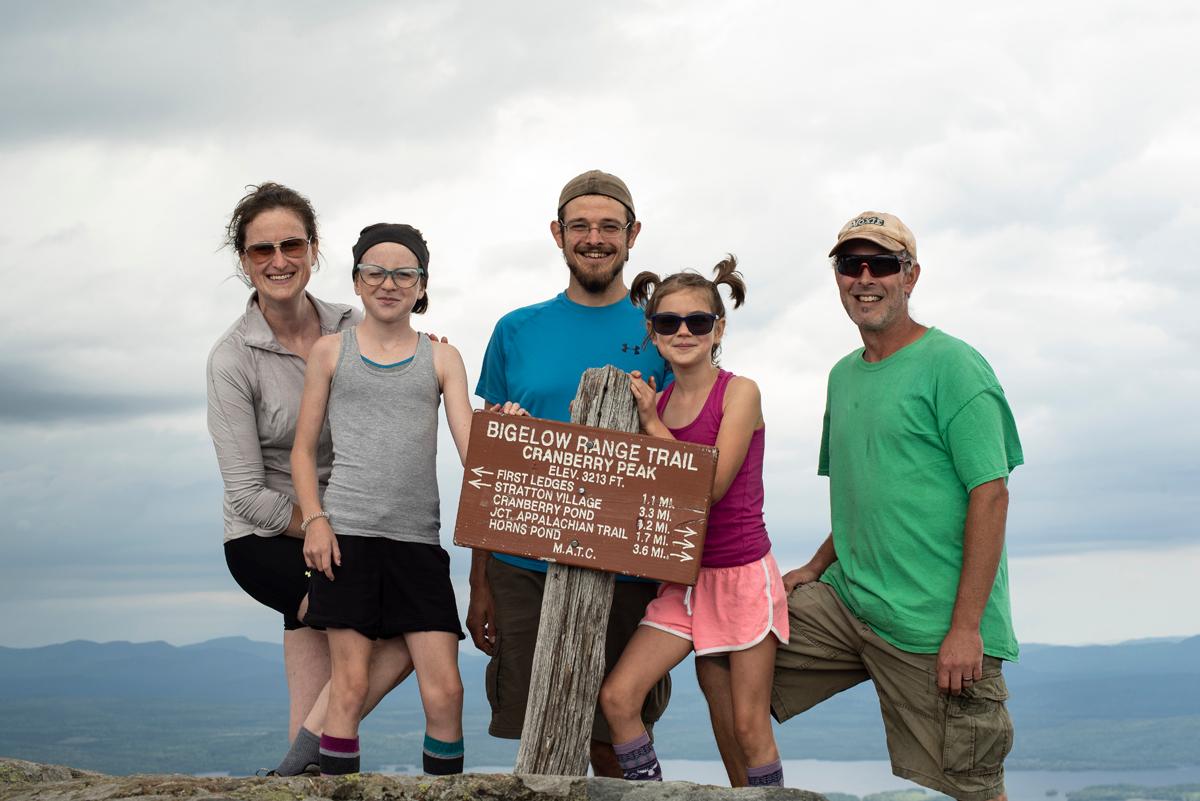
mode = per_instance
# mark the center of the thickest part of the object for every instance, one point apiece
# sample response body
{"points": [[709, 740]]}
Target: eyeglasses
{"points": [[878, 266], [261, 252], [699, 323], [608, 229], [374, 275]]}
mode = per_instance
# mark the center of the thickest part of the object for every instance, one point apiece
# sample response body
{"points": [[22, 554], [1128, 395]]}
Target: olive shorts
{"points": [[517, 594], [953, 744]]}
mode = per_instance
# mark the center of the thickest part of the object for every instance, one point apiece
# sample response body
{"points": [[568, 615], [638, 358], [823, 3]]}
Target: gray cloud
{"points": [[31, 395], [367, 71]]}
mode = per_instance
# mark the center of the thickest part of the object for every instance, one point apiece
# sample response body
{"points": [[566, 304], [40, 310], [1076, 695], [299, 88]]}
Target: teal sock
{"points": [[441, 758]]}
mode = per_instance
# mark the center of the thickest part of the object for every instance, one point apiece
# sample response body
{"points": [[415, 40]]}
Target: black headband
{"points": [[399, 233]]}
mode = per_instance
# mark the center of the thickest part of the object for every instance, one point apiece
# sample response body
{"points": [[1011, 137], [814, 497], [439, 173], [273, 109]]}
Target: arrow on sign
{"points": [[685, 531], [687, 544], [479, 471], [682, 557], [477, 484]]}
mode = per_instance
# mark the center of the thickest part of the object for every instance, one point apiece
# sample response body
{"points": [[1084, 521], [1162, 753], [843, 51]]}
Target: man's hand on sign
{"points": [[481, 619], [321, 550], [508, 407]]}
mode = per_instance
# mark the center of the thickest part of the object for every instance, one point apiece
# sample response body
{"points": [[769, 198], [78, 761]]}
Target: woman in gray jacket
{"points": [[255, 379]]}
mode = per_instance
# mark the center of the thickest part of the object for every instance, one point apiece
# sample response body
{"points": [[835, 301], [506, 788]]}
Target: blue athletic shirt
{"points": [[538, 353]]}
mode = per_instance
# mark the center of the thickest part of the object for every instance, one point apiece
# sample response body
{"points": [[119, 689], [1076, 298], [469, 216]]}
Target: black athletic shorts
{"points": [[385, 588], [271, 570]]}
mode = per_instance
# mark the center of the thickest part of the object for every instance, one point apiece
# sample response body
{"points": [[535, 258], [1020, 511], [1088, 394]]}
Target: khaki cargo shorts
{"points": [[517, 594], [953, 744]]}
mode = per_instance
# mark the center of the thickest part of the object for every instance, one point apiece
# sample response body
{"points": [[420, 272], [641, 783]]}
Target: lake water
{"points": [[874, 776]]}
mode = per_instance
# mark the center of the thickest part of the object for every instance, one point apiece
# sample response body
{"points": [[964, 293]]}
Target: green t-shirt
{"points": [[904, 440]]}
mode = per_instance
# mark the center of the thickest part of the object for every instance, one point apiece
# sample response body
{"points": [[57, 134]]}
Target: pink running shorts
{"points": [[729, 609]]}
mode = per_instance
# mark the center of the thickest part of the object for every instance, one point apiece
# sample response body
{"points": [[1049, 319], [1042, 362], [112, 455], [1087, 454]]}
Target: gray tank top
{"points": [[384, 424]]}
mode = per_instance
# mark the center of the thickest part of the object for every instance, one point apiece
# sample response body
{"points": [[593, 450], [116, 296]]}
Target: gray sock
{"points": [[305, 751]]}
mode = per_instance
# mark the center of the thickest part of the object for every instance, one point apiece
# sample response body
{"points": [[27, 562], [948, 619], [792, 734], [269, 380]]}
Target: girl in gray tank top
{"points": [[380, 580], [384, 426]]}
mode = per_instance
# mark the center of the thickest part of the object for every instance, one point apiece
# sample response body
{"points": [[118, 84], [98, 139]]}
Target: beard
{"points": [[595, 280], [893, 307]]}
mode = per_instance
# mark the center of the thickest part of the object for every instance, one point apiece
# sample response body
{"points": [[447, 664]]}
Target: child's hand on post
{"points": [[644, 394]]}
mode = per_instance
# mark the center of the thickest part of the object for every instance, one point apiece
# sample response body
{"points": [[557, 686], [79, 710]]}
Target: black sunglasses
{"points": [[878, 266], [699, 323]]}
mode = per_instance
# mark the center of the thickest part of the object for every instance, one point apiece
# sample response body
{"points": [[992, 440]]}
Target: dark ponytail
{"points": [[642, 289], [727, 273]]}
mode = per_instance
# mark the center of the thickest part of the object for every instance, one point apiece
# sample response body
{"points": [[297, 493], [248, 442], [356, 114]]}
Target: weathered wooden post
{"points": [[593, 498], [568, 664]]}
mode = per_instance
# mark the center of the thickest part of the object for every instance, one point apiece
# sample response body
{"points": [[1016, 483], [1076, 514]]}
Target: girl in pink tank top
{"points": [[737, 611]]}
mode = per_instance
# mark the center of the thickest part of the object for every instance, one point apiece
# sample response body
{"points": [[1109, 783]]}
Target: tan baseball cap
{"points": [[595, 182], [879, 227]]}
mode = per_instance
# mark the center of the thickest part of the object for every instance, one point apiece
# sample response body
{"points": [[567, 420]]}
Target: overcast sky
{"points": [[1047, 156]]}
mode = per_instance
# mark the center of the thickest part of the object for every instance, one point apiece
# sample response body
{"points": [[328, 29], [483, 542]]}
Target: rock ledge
{"points": [[30, 781]]}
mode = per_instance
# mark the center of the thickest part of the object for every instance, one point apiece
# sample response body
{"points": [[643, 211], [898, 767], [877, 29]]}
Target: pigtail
{"points": [[642, 289], [727, 273]]}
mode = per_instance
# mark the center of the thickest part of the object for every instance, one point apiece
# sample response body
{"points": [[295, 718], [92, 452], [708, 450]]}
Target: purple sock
{"points": [[638, 760], [768, 775], [339, 755]]}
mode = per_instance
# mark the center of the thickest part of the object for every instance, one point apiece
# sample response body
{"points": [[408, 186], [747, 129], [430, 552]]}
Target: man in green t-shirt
{"points": [[910, 590]]}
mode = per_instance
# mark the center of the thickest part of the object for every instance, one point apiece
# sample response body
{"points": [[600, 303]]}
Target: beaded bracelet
{"points": [[310, 518]]}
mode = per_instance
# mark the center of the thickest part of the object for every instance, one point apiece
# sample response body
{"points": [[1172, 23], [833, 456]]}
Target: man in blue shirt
{"points": [[535, 357]]}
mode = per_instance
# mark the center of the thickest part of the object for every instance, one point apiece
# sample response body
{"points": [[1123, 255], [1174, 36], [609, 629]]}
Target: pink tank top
{"points": [[736, 532]]}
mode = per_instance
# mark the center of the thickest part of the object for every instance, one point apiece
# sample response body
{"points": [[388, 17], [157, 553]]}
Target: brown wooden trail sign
{"points": [[586, 496], [568, 662]]}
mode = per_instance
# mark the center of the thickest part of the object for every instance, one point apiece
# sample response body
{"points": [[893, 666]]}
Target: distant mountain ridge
{"points": [[81, 668], [220, 705]]}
